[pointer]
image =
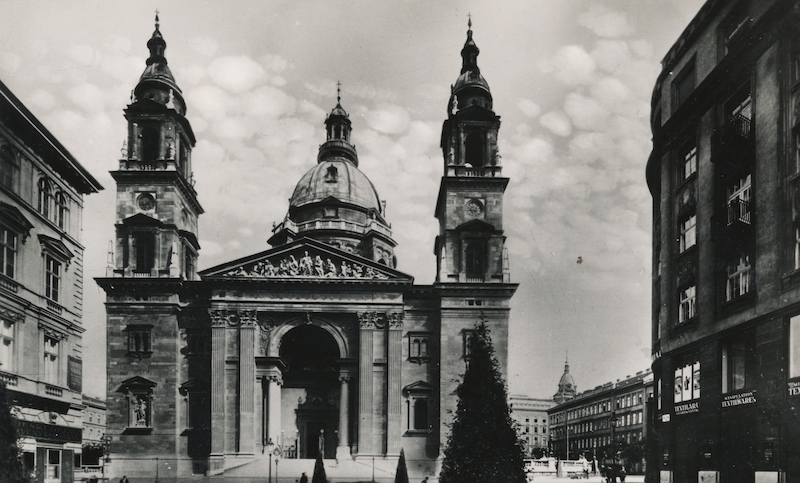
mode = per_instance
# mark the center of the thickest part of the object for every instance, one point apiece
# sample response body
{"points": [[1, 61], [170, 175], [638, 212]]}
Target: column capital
{"points": [[232, 317], [379, 320], [274, 377], [345, 378]]}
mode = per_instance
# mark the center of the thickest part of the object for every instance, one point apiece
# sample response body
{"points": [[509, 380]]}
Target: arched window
{"points": [[475, 261], [474, 151], [151, 141], [62, 210], [421, 414], [8, 167], [45, 197]]}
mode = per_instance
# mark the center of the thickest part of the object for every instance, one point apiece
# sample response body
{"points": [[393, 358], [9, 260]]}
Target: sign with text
{"points": [[793, 388], [687, 408], [739, 399], [74, 374]]}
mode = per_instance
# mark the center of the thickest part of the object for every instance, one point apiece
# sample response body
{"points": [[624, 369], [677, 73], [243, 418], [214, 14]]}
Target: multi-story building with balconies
{"points": [[606, 423], [41, 288], [724, 174]]}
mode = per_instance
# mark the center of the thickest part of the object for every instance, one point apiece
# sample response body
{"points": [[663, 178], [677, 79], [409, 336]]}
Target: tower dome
{"points": [[335, 202], [566, 386], [471, 88], [157, 82]]}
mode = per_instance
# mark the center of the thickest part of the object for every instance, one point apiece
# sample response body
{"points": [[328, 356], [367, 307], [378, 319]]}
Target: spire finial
{"points": [[338, 92], [156, 19], [469, 21]]}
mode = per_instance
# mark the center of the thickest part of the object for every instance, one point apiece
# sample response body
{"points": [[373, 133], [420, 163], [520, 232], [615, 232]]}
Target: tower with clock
{"points": [[470, 246]]}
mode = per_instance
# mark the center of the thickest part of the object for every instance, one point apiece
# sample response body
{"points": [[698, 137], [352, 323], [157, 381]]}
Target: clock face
{"points": [[473, 208], [146, 202]]}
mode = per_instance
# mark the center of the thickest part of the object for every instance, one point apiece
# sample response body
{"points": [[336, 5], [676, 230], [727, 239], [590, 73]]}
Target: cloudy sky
{"points": [[571, 81]]}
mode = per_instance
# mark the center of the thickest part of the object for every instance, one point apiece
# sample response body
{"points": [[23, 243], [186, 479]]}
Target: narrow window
{"points": [[476, 261], [734, 365], [474, 151], [688, 162], [45, 197], [52, 278], [684, 85], [8, 167], [794, 347], [8, 251], [151, 144], [6, 345], [61, 210], [144, 247], [687, 304], [739, 200], [421, 414], [739, 278], [51, 346], [53, 466], [687, 233]]}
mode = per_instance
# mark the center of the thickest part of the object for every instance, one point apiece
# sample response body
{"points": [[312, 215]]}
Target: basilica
{"points": [[317, 345]]}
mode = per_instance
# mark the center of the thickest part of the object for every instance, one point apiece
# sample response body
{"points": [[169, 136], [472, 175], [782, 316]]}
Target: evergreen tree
{"points": [[401, 475], [11, 469], [319, 471], [483, 446]]}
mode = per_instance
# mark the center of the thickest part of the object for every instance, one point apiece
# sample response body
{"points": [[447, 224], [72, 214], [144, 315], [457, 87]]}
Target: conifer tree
{"points": [[401, 475], [483, 446], [11, 469], [319, 471]]}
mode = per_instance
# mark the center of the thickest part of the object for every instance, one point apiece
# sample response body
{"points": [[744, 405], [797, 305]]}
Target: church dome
{"points": [[337, 178], [157, 82], [566, 382], [471, 88]]}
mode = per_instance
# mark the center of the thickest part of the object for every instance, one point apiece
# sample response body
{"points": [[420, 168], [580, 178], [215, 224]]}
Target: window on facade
{"points": [[732, 26], [421, 414], [8, 167], [418, 346], [52, 280], [684, 85], [739, 112], [330, 212], [475, 260], [688, 161], [139, 340], [61, 210], [467, 334], [687, 304], [737, 364], [144, 248], [6, 345], [738, 200], [51, 345], [53, 465], [151, 144], [8, 251], [739, 279], [474, 151], [45, 197], [687, 233]]}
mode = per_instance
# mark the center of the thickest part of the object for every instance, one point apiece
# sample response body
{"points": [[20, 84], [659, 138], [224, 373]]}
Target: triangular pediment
{"points": [[417, 387], [305, 258], [136, 382], [476, 226], [140, 219]]}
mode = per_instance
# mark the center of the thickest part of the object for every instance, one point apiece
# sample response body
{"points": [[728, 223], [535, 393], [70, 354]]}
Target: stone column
{"points": [[365, 443], [218, 389], [274, 383], [343, 450], [394, 383], [247, 379]]}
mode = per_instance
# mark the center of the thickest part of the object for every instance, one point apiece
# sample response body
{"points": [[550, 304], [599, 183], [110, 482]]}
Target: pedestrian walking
{"points": [[124, 479], [622, 473], [303, 478]]}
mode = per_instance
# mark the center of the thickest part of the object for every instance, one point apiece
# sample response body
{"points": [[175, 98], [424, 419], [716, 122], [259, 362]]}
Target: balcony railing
{"points": [[334, 225], [470, 172], [732, 143], [51, 390], [738, 212], [740, 126], [9, 379]]}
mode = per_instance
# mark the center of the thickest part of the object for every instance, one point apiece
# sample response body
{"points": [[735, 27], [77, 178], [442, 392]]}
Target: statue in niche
{"points": [[140, 411]]}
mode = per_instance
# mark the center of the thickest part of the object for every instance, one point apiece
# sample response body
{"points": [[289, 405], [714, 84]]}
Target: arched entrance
{"points": [[311, 392]]}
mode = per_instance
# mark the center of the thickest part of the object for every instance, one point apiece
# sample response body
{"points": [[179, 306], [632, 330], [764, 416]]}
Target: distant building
{"points": [[41, 288], [566, 386], [94, 428], [724, 174], [586, 424], [530, 415]]}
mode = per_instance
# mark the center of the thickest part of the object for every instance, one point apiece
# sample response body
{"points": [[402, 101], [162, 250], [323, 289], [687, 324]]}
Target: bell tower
{"points": [[157, 207], [470, 247]]}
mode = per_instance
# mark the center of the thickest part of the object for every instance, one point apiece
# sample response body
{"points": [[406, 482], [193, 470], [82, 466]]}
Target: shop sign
{"points": [[794, 388], [665, 418], [740, 399], [49, 432], [687, 408]]}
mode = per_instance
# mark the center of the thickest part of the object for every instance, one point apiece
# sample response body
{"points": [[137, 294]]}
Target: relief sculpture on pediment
{"points": [[307, 266]]}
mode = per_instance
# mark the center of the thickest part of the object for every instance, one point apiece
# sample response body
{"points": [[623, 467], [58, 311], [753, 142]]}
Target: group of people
{"points": [[611, 472]]}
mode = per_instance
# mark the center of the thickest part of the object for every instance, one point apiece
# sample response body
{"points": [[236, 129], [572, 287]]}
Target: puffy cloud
{"points": [[585, 112], [42, 99], [275, 63], [88, 97], [528, 107], [572, 65], [557, 122], [236, 73], [388, 119], [84, 54], [605, 23]]}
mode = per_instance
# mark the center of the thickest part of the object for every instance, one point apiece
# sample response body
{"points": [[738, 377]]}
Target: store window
{"points": [[738, 364], [53, 466]]}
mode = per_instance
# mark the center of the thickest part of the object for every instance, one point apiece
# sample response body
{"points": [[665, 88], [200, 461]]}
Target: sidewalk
{"points": [[592, 479]]}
